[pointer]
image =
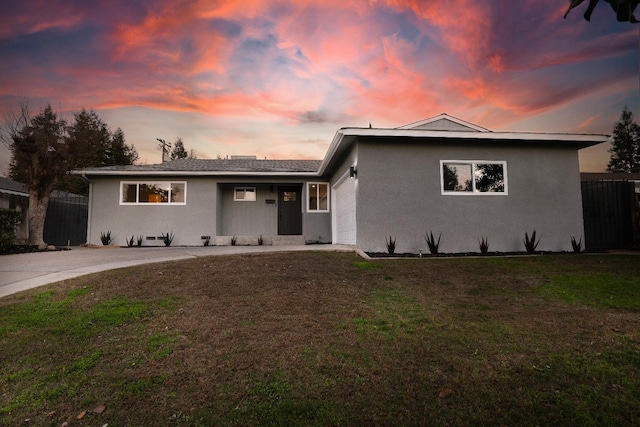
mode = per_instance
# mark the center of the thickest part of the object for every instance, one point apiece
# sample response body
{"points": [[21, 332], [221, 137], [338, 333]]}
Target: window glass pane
{"points": [[457, 177], [129, 193], [245, 194], [289, 196], [313, 197], [154, 192], [489, 177], [323, 201], [250, 194], [177, 193]]}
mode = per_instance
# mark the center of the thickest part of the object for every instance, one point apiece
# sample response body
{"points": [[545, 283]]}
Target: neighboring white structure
{"points": [[441, 174]]}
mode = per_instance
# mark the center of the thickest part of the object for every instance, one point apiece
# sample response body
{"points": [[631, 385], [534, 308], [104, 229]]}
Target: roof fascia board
{"points": [[331, 151], [510, 136], [189, 173], [14, 193]]}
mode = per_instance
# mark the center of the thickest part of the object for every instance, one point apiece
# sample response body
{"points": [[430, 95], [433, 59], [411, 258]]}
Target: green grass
{"points": [[597, 289], [320, 339]]}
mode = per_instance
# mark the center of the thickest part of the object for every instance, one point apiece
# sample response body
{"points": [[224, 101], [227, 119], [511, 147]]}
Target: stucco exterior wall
{"points": [[209, 210], [399, 194], [187, 222], [249, 218]]}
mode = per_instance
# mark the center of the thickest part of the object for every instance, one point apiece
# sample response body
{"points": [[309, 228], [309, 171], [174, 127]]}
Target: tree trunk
{"points": [[36, 215]]}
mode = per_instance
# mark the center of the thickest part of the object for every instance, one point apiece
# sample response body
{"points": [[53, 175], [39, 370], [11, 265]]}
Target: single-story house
{"points": [[440, 175], [14, 196]]}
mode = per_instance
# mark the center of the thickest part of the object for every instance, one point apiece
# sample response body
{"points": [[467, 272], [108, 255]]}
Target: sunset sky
{"points": [[276, 79]]}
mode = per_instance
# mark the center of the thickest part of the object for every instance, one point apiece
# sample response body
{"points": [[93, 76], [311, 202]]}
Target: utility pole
{"points": [[165, 146]]}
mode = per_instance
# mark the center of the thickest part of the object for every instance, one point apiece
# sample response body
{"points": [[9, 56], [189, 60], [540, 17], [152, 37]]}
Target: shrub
{"points": [[391, 245], [130, 242], [139, 241], [9, 220], [577, 246], [167, 238], [530, 244], [260, 240], [484, 245], [431, 242], [105, 238], [234, 240]]}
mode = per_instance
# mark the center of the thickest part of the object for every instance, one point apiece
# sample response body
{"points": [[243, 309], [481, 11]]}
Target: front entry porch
{"points": [[259, 213]]}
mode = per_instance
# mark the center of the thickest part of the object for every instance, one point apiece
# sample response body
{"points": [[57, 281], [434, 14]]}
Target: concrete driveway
{"points": [[25, 271]]}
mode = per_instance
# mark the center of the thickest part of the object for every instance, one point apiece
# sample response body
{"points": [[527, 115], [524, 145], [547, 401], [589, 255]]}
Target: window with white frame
{"points": [[244, 194], [153, 192], [317, 197], [461, 177]]}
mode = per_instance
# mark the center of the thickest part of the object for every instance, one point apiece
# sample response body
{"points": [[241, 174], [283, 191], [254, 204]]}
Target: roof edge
{"points": [[94, 172], [446, 117]]}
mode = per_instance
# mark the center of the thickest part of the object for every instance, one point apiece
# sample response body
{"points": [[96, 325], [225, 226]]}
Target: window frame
{"points": [[170, 185], [253, 190], [308, 197], [473, 164]]}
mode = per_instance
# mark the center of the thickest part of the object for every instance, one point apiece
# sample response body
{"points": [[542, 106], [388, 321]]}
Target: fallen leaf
{"points": [[444, 393], [99, 409], [81, 415]]}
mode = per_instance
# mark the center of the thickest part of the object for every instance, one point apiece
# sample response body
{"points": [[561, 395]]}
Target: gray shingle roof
{"points": [[11, 185], [220, 165]]}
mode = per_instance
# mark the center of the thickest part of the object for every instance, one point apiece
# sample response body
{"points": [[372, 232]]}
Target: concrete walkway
{"points": [[20, 272]]}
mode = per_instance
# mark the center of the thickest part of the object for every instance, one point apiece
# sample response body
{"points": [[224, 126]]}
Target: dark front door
{"points": [[289, 210]]}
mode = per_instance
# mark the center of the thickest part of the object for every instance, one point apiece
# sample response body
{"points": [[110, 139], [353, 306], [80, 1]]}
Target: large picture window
{"points": [[318, 197], [153, 192], [462, 177]]}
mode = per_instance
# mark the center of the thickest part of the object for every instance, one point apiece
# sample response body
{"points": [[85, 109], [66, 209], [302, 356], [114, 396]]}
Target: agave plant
{"points": [[391, 245], [577, 246], [167, 238], [432, 243], [484, 245], [530, 244], [105, 238]]}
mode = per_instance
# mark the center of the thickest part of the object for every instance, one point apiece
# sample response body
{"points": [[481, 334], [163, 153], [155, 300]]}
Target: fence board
{"points": [[66, 220], [608, 210]]}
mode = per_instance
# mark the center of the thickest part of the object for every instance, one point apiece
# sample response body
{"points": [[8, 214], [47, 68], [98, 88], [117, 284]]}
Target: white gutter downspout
{"points": [[89, 205]]}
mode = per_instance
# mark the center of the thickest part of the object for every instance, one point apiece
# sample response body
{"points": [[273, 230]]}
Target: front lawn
{"points": [[324, 338]]}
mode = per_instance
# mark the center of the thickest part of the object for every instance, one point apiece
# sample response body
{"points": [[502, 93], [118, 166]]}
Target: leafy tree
{"points": [[490, 177], [179, 151], [44, 149], [625, 148], [41, 158], [121, 153], [95, 146]]}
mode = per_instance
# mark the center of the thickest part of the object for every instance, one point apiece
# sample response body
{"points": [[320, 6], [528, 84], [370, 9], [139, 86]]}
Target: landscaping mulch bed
{"points": [[25, 249]]}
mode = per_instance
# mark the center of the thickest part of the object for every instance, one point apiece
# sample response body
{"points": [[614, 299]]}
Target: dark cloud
{"points": [[228, 28]]}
